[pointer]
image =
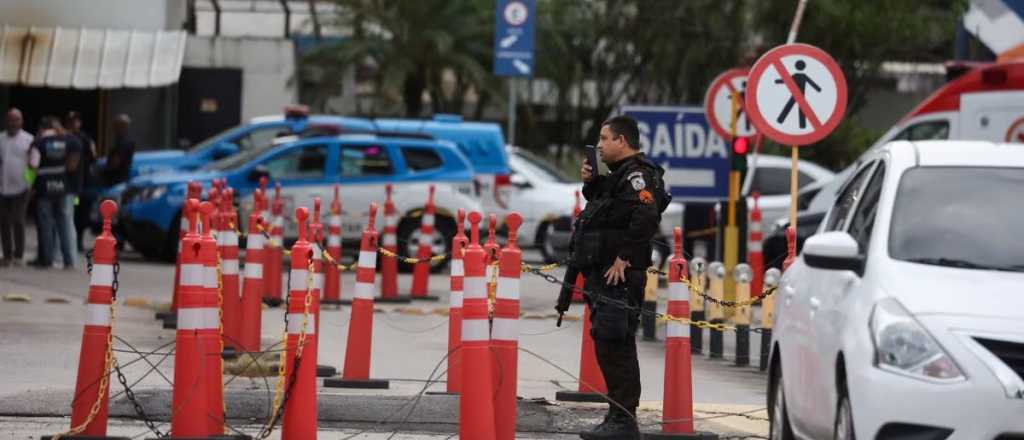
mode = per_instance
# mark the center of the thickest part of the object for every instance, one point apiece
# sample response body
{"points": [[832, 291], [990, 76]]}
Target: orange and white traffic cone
{"points": [[252, 285], [190, 401], [231, 303], [316, 230], [274, 252], [300, 411], [356, 372], [170, 318], [476, 402], [577, 293], [458, 273], [677, 415], [389, 263], [505, 331], [92, 387], [755, 248], [332, 276], [210, 333], [421, 272]]}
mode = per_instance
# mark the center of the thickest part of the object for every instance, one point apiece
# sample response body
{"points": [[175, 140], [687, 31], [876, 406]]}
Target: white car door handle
{"points": [[814, 303]]}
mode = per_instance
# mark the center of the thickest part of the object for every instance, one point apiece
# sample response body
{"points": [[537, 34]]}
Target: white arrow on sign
{"points": [[508, 41], [521, 66], [690, 178]]}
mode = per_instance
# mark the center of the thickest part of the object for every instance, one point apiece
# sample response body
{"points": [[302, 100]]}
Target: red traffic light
{"points": [[740, 145]]}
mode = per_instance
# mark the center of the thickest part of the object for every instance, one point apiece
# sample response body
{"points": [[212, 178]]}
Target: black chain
{"points": [[135, 403], [733, 304], [291, 379]]}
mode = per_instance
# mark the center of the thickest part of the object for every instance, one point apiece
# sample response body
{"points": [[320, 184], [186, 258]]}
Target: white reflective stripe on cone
{"points": [[102, 275], [428, 219], [256, 240], [508, 288], [317, 253], [455, 300], [335, 221], [475, 330], [197, 318], [318, 281], [230, 239], [505, 329], [755, 246], [754, 227], [474, 288], [210, 277], [229, 267], [253, 270], [364, 291], [678, 329], [390, 240], [295, 323], [391, 220], [298, 280], [678, 292], [333, 240], [98, 314], [458, 269], [367, 259], [192, 275]]}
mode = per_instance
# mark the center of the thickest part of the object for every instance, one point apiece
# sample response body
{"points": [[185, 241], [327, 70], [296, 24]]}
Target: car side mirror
{"points": [[518, 181], [834, 250], [224, 149], [257, 173]]}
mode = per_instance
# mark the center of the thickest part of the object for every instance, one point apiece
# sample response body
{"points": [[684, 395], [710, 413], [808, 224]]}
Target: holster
{"points": [[612, 318]]}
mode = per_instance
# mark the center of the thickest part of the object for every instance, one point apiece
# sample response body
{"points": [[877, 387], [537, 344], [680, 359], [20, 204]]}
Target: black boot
{"points": [[619, 427], [585, 435]]}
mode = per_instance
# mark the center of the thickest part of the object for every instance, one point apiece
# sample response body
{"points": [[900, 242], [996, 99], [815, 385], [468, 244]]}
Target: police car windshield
{"points": [[245, 156], [217, 138], [538, 167], [964, 217]]}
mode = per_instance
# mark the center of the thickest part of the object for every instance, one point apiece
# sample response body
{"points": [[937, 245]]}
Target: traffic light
{"points": [[740, 147]]}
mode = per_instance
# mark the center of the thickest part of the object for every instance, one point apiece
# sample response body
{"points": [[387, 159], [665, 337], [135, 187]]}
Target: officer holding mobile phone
{"points": [[611, 246]]}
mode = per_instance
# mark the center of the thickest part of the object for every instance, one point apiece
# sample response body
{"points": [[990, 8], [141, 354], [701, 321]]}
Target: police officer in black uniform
{"points": [[611, 246]]}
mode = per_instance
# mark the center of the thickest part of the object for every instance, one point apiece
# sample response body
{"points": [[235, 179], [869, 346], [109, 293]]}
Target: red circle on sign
{"points": [[1017, 125], [773, 58], [709, 109]]}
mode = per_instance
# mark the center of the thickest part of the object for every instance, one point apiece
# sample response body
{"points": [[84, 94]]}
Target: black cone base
{"points": [[577, 396], [273, 302], [171, 323], [212, 437], [424, 298], [696, 435], [441, 393], [163, 317], [400, 299], [84, 437], [325, 371], [372, 384], [333, 302], [229, 353]]}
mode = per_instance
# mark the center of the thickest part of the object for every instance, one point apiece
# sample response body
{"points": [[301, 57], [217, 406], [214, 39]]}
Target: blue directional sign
{"points": [[513, 37], [695, 158]]}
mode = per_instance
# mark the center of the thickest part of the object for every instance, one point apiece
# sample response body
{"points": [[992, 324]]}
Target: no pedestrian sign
{"points": [[796, 94], [722, 112]]}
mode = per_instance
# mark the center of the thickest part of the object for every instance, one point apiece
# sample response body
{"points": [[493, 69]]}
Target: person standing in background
{"points": [[119, 158], [60, 155], [85, 178], [14, 162]]}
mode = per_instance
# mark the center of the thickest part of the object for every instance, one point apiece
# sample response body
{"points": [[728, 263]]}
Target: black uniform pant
{"points": [[614, 320]]}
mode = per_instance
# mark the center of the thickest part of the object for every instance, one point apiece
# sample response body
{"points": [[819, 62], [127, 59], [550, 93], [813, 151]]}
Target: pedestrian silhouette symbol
{"points": [[802, 81]]}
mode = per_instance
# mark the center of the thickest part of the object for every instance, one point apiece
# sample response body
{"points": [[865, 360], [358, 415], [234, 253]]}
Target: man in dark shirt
{"points": [[59, 154], [85, 179], [119, 158]]}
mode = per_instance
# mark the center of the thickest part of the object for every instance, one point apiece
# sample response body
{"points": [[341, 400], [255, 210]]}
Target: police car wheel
{"points": [[409, 239]]}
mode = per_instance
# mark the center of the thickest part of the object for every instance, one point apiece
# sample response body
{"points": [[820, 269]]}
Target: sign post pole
{"points": [[512, 110], [793, 171], [731, 231]]}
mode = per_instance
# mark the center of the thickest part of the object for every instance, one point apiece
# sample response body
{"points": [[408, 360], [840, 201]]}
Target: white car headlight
{"points": [[904, 346]]}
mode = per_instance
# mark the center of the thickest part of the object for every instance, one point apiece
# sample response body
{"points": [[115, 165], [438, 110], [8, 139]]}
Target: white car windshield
{"points": [[537, 167], [967, 217]]}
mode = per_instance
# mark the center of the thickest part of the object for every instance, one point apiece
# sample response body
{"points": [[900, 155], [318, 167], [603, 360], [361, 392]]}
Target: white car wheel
{"points": [[779, 417]]}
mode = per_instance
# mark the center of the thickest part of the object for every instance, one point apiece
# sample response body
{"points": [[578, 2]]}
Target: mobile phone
{"points": [[591, 152]]}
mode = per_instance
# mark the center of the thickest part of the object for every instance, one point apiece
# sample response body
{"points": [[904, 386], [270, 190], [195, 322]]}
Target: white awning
{"points": [[90, 58]]}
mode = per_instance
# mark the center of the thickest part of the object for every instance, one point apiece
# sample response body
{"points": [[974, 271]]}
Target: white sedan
{"points": [[904, 316]]}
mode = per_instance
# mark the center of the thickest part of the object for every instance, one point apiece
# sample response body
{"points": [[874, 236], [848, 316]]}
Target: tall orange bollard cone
{"points": [[505, 333], [332, 276], [231, 302], [491, 250], [476, 402], [755, 247], [252, 285], [274, 252], [300, 417], [458, 273], [316, 231], [210, 331], [677, 415], [356, 372], [421, 273], [190, 402], [389, 263], [170, 318], [92, 387], [591, 384], [577, 294]]}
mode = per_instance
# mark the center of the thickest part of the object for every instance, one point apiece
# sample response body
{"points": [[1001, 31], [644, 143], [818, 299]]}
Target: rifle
{"points": [[565, 295]]}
